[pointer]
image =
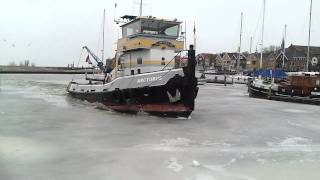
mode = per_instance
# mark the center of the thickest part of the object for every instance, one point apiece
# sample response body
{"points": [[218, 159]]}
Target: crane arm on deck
{"points": [[98, 60]]}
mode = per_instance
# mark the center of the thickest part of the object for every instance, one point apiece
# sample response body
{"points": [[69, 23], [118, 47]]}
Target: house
{"points": [[218, 62], [253, 61], [268, 60], [295, 58], [227, 62], [234, 60], [205, 61]]}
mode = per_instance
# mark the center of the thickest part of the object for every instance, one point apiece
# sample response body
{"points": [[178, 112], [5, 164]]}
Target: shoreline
{"points": [[44, 70]]}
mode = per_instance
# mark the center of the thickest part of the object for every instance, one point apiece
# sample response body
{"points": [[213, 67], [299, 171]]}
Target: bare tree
{"points": [[271, 48]]}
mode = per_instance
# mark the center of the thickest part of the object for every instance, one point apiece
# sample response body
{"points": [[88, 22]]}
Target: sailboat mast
{"points": [[284, 45], [239, 55], [309, 38], [103, 26], [264, 11], [140, 8]]}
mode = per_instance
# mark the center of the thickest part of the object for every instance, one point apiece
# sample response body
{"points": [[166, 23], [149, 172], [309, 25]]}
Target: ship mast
{"points": [[239, 55], [140, 12], [194, 36], [264, 10], [308, 54]]}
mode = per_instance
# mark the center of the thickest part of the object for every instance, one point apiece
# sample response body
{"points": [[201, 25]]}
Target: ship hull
{"points": [[257, 92], [170, 96]]}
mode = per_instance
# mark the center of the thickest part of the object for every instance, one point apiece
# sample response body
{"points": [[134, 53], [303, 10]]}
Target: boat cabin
{"points": [[148, 44], [300, 85]]}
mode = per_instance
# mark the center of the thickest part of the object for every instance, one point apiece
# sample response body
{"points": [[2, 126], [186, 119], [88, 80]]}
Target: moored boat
{"points": [[262, 88], [303, 85], [302, 88]]}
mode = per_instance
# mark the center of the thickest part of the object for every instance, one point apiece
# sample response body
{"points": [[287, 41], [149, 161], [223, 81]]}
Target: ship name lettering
{"points": [[149, 79]]}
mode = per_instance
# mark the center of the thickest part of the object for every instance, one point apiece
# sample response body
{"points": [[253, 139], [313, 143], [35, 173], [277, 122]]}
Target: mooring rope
{"points": [[167, 65]]}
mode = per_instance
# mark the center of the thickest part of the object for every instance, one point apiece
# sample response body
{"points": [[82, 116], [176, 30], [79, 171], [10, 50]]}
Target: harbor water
{"points": [[47, 135]]}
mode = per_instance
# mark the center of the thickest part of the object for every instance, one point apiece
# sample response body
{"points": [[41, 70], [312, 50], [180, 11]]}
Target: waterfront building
{"points": [[295, 58]]}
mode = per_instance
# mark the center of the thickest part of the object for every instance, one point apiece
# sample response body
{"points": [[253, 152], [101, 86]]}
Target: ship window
{"points": [[139, 60], [121, 59], [172, 31], [82, 90], [139, 71], [163, 61], [157, 27], [93, 90], [132, 72], [131, 29]]}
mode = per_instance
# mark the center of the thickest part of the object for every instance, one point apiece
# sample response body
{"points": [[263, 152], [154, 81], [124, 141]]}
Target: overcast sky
{"points": [[52, 32]]}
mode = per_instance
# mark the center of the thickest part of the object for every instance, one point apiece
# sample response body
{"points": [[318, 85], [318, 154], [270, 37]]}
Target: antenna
{"points": [[264, 11], [308, 54], [115, 12]]}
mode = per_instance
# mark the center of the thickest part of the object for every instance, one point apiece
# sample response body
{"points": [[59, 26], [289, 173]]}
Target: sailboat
{"points": [[145, 77], [262, 87]]}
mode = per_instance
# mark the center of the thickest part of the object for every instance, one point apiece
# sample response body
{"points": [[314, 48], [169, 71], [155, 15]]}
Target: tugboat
{"points": [[145, 77]]}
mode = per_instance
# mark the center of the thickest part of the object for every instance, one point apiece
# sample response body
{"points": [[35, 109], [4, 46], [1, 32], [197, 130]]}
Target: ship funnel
{"points": [[191, 80]]}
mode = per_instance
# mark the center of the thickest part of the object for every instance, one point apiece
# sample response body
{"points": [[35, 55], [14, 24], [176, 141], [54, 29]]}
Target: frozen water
{"points": [[44, 134], [174, 165]]}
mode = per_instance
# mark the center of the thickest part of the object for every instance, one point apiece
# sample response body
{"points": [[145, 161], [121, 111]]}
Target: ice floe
{"points": [[174, 165]]}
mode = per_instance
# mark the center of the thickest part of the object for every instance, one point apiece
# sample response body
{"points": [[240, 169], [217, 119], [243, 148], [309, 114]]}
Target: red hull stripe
{"points": [[152, 107]]}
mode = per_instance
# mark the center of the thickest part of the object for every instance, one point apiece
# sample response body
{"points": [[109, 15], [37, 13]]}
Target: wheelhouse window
{"points": [[158, 27], [151, 26], [131, 29]]}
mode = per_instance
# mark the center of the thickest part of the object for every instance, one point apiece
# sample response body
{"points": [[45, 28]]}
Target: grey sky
{"points": [[52, 32]]}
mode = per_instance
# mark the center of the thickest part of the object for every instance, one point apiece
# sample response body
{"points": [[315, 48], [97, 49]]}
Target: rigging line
{"points": [[78, 63], [100, 36], [254, 33], [235, 36], [166, 66], [134, 6], [171, 60]]}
